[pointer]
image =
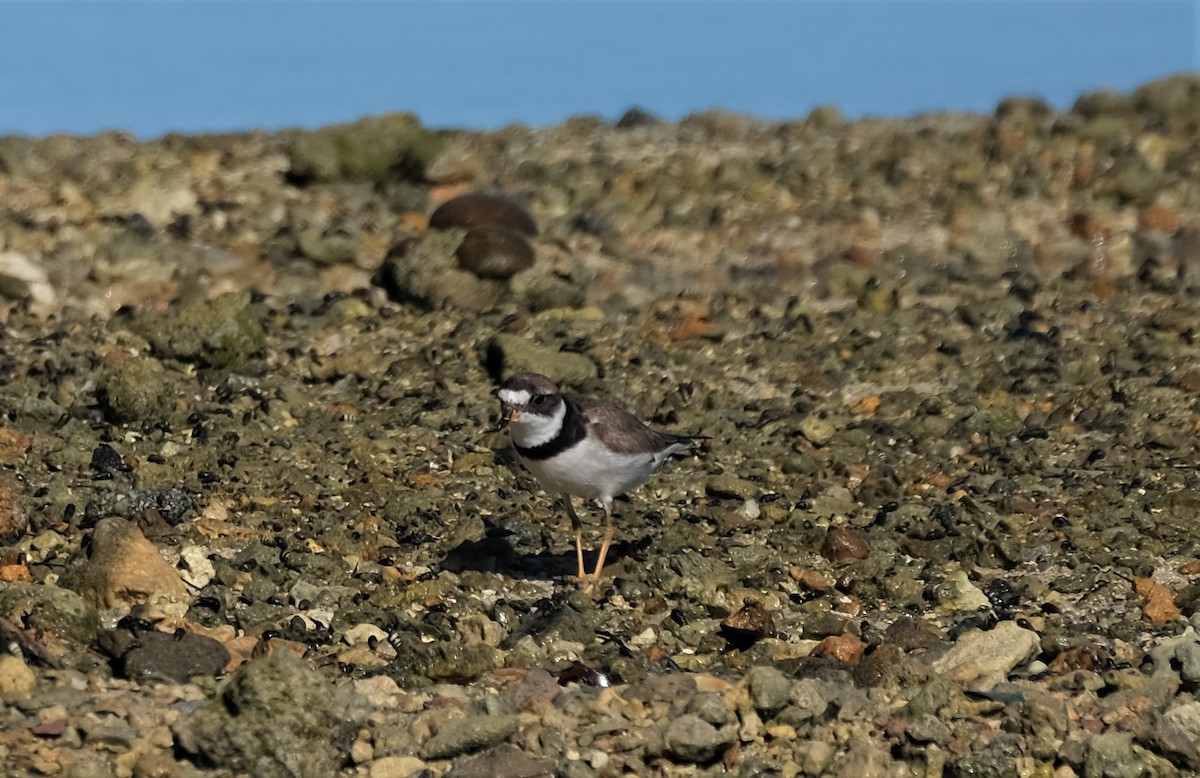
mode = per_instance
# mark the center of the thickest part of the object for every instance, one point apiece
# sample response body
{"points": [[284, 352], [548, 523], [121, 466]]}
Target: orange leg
{"points": [[604, 546], [576, 525]]}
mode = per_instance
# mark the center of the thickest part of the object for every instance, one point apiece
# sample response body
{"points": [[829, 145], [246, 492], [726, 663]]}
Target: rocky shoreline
{"points": [[256, 521]]}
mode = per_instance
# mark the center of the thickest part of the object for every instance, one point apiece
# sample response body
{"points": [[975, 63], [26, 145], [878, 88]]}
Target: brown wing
{"points": [[621, 429]]}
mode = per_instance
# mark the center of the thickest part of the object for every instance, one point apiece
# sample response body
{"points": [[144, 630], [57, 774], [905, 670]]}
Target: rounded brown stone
{"points": [[471, 211], [494, 252], [843, 543]]}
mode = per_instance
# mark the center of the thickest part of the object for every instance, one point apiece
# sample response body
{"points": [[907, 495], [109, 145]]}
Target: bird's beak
{"points": [[508, 413]]}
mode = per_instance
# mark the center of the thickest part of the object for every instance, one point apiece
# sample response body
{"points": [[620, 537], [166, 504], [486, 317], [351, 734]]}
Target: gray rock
{"points": [[142, 656], [508, 354], [1179, 732], [769, 689], [992, 654], [1111, 755], [276, 717], [473, 733], [1188, 655], [504, 761], [690, 738], [43, 607]]}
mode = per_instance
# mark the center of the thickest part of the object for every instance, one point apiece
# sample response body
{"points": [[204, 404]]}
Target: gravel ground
{"points": [[256, 521]]}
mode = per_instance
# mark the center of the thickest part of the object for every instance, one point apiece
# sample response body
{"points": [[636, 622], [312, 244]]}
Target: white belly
{"points": [[588, 470]]}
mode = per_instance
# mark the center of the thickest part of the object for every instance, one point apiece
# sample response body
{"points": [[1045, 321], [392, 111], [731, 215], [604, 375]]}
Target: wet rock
{"points": [[51, 610], [150, 655], [504, 761], [690, 738], [472, 211], [508, 354], [122, 568], [275, 717], [769, 689], [223, 333], [494, 252], [817, 429], [984, 659], [376, 148], [458, 736], [843, 544], [134, 388], [14, 520]]}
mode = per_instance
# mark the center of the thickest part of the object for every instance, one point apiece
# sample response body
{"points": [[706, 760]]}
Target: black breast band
{"points": [[573, 430]]}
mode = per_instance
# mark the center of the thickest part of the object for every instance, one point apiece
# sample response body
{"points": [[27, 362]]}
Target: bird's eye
{"points": [[539, 400]]}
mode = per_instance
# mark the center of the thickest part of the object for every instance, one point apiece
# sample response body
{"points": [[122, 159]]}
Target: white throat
{"points": [[530, 430]]}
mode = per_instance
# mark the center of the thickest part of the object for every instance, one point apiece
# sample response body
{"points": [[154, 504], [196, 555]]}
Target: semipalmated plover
{"points": [[582, 446]]}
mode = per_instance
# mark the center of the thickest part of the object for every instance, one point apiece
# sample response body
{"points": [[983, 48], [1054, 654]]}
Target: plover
{"points": [[582, 446]]}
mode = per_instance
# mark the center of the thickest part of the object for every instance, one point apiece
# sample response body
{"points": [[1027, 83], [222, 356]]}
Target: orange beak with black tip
{"points": [[508, 413]]}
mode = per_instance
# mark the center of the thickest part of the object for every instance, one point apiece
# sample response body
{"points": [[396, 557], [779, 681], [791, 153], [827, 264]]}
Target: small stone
{"points": [[470, 211], [508, 354], [131, 389], [469, 734], [503, 761], [14, 520], [769, 689], [174, 657], [984, 659], [276, 717], [1188, 655], [16, 679], [1178, 731], [845, 543], [494, 252], [728, 485], [844, 648], [690, 738], [123, 568], [748, 625], [396, 767], [819, 431]]}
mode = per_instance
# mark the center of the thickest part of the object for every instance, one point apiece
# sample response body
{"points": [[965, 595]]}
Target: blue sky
{"points": [[154, 67]]}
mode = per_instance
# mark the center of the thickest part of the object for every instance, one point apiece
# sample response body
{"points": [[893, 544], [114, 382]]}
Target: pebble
{"points": [[468, 734], [1178, 731], [123, 568], [494, 252], [161, 656], [508, 354], [396, 767], [276, 717], [503, 761], [984, 659], [16, 678], [470, 211], [769, 689], [690, 738], [14, 520], [844, 543]]}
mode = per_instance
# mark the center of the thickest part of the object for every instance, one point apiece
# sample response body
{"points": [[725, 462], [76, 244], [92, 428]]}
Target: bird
{"points": [[583, 446]]}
